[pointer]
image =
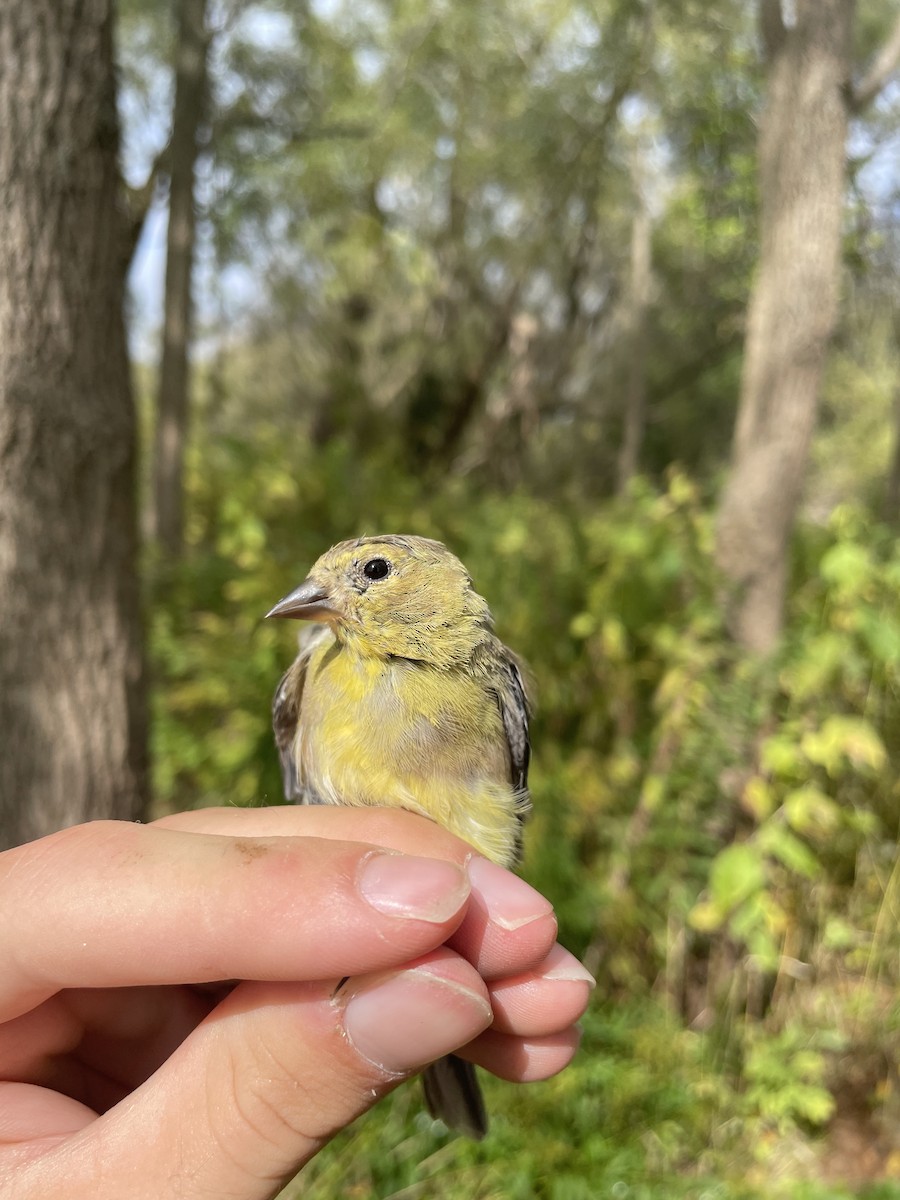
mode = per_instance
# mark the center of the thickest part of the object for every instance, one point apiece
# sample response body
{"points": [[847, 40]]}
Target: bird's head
{"points": [[393, 596]]}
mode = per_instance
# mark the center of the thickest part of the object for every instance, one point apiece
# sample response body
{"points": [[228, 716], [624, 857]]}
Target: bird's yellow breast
{"points": [[404, 734]]}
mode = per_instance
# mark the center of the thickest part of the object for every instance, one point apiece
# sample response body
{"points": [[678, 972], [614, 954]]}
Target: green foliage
{"points": [[624, 1122], [786, 1082], [822, 790], [709, 829]]}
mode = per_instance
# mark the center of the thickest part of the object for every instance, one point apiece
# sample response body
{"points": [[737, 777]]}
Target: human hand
{"points": [[128, 1068]]}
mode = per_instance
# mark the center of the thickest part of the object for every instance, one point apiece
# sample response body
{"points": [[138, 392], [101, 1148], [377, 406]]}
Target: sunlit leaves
{"points": [[786, 1080]]}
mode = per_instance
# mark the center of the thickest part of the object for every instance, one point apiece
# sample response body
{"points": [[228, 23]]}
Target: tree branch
{"points": [[878, 74], [139, 199], [772, 28]]}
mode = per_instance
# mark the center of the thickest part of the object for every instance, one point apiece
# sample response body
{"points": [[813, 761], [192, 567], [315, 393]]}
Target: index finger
{"points": [[113, 904], [508, 927], [396, 828]]}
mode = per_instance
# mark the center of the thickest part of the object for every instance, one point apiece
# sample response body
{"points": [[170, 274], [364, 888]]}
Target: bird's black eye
{"points": [[377, 568]]}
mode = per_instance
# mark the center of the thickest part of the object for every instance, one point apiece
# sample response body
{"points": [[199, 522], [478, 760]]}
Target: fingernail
{"points": [[402, 1021], [424, 889], [509, 901], [560, 964]]}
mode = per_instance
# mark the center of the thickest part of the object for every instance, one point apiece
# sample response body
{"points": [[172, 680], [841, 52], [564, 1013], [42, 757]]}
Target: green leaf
{"points": [[758, 798], [820, 661], [778, 841], [736, 874], [846, 564], [844, 739], [752, 923], [780, 755], [582, 625], [810, 811], [881, 632], [705, 917]]}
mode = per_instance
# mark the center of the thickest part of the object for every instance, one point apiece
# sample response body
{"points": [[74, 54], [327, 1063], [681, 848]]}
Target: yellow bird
{"points": [[404, 697]]}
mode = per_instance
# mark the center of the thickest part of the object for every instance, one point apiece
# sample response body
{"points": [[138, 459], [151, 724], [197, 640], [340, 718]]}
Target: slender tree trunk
{"points": [[174, 375], [72, 716], [637, 304], [792, 307], [891, 505]]}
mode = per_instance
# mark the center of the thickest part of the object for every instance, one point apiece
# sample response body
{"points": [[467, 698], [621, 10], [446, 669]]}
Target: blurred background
{"points": [[605, 296]]}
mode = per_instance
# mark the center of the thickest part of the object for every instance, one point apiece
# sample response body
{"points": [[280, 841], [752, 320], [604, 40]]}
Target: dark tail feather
{"points": [[453, 1095]]}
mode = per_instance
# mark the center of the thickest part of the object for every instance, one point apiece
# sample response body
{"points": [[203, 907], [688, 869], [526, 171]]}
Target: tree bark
{"points": [[72, 711], [172, 411], [637, 305], [891, 503], [792, 307]]}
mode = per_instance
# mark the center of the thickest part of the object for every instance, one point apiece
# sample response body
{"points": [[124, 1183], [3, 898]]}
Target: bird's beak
{"points": [[309, 602]]}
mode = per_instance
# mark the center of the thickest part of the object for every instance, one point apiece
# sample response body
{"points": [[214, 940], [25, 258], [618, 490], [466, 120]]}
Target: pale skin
{"points": [[127, 1068]]}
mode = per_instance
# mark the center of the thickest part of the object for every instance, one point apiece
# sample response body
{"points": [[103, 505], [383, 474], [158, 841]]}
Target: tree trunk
{"points": [[72, 709], [174, 376], [637, 305], [891, 503], [792, 306]]}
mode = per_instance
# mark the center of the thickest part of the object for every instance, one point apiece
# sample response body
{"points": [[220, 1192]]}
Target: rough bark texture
{"points": [[71, 681], [792, 307], [174, 378]]}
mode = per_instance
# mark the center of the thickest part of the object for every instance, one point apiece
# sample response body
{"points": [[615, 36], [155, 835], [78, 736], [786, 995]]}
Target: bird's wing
{"points": [[515, 712], [286, 712]]}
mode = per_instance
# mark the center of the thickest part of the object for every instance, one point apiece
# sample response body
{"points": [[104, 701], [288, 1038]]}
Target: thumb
{"points": [[274, 1072]]}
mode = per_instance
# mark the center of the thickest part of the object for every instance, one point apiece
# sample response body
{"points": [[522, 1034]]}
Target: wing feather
{"points": [[515, 712], [286, 713]]}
